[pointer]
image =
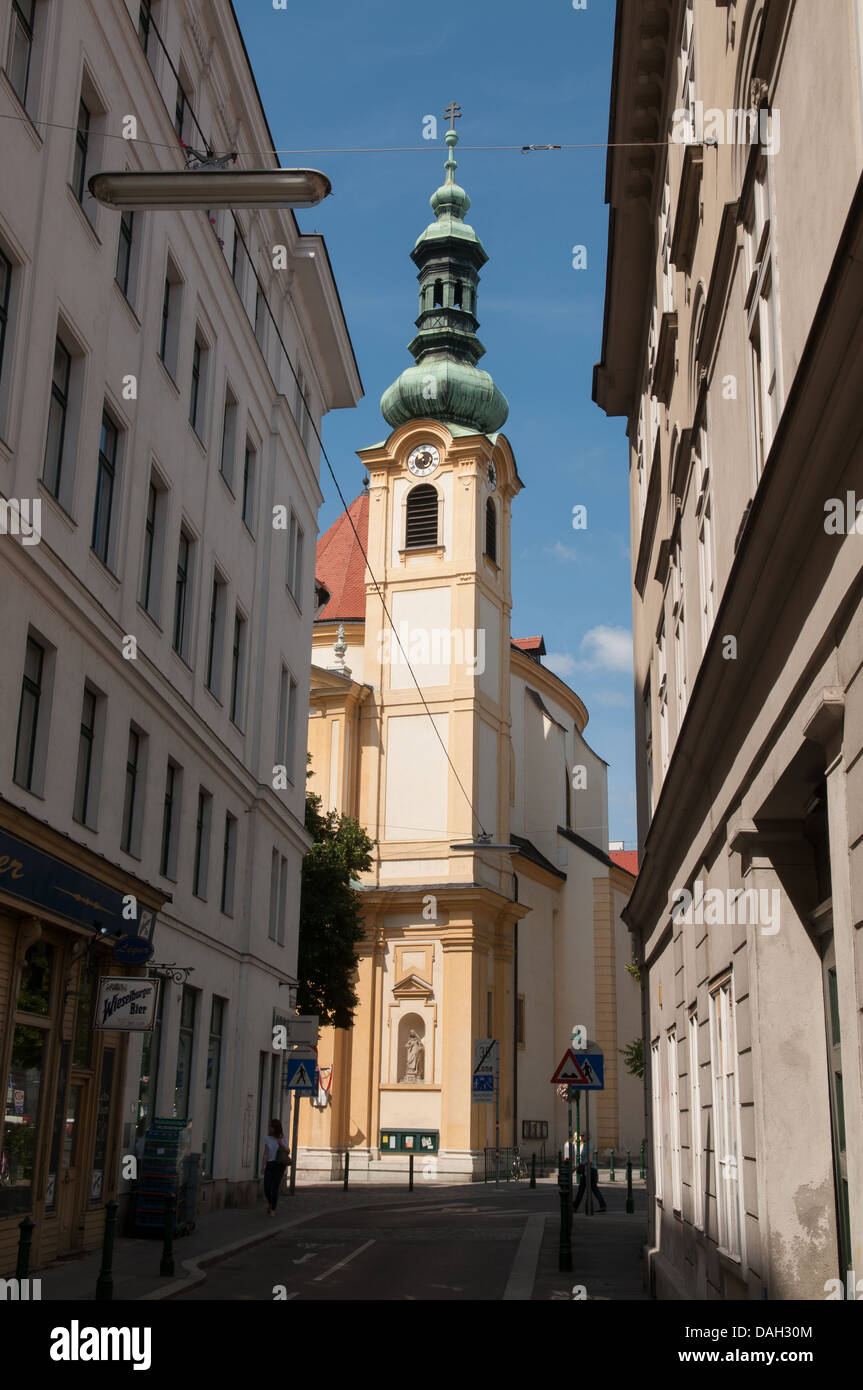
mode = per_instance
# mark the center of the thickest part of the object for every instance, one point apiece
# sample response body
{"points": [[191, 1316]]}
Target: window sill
{"points": [[30, 125], [251, 533], [290, 592], [182, 660], [104, 567], [438, 550], [56, 505], [127, 304], [197, 438], [147, 614], [213, 696], [88, 226], [233, 495], [166, 369]]}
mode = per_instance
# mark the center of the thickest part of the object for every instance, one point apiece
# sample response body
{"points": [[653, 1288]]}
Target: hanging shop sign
{"points": [[133, 950], [126, 1005]]}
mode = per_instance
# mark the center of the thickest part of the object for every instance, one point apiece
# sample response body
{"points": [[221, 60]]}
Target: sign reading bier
{"points": [[126, 1005]]}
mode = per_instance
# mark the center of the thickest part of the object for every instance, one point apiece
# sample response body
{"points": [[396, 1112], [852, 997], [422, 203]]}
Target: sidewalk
{"points": [[136, 1261], [606, 1251]]}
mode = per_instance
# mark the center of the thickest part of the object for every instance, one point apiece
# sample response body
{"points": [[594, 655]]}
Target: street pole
{"points": [[588, 1171], [295, 1129], [497, 1116]]}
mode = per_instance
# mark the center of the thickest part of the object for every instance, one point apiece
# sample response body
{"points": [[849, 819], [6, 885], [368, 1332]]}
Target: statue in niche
{"points": [[415, 1053]]}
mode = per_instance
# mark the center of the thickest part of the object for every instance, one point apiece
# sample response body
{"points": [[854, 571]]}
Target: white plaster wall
{"points": [[416, 790]]}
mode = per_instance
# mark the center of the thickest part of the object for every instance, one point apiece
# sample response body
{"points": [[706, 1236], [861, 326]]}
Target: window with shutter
{"points": [[421, 522]]}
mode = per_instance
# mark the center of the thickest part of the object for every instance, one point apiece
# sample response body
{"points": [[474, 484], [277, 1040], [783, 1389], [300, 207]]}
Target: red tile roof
{"points": [[341, 566], [533, 645], [627, 859]]}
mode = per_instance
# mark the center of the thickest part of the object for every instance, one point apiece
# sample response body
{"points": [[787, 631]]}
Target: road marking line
{"points": [[523, 1272], [346, 1261]]}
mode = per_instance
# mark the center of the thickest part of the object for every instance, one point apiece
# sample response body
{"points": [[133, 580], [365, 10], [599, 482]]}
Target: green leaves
{"points": [[330, 918]]}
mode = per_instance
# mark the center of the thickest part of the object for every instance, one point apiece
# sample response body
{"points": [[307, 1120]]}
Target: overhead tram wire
{"points": [[431, 146]]}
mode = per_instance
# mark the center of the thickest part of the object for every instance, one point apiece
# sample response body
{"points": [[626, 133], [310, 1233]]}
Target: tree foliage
{"points": [[633, 1057], [330, 921]]}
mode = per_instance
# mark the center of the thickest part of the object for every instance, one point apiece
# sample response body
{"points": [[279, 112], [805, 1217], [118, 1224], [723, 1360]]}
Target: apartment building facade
{"points": [[162, 379], [732, 348]]}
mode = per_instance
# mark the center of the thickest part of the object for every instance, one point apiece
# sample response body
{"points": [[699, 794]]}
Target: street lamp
{"points": [[182, 190]]}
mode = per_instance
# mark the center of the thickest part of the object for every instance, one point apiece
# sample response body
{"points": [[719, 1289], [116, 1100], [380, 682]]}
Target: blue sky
{"points": [[340, 75]]}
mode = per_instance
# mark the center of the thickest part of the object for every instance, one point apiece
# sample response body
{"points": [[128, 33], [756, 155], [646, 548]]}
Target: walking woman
{"points": [[277, 1156]]}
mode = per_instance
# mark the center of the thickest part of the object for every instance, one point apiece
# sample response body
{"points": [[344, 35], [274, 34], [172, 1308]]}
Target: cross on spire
{"points": [[453, 112]]}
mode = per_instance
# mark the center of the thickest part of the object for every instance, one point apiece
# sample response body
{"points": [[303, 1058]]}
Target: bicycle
{"points": [[518, 1169]]}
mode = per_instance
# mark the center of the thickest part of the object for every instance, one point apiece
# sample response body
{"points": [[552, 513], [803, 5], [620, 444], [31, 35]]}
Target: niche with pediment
{"points": [[412, 1019]]}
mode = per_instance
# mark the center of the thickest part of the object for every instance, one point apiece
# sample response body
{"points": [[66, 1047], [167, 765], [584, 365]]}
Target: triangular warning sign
{"points": [[301, 1077], [569, 1070]]}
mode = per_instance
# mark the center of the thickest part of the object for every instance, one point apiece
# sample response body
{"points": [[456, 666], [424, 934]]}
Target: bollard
{"points": [[630, 1205], [641, 1175], [559, 1157], [167, 1263], [411, 1173], [564, 1183], [105, 1281], [533, 1170], [347, 1169], [611, 1167], [25, 1240]]}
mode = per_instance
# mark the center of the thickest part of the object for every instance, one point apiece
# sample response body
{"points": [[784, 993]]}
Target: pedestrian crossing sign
{"points": [[301, 1076]]}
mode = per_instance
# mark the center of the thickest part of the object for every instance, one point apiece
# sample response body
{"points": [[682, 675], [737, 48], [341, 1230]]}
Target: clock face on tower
{"points": [[424, 460], [492, 477]]}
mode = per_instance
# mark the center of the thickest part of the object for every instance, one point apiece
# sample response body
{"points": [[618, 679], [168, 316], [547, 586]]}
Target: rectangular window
{"points": [[185, 1053], [278, 897], [274, 896], [648, 747], [216, 636], [183, 594], [238, 665], [239, 260], [704, 526], [519, 1021], [5, 301], [145, 19], [130, 829], [197, 400], [229, 856], [250, 471], [202, 844], [169, 336], [227, 458], [182, 105], [656, 1118], [260, 319], [82, 140], [58, 410], [86, 747], [286, 723], [489, 1014], [662, 697], [214, 1065], [20, 53], [106, 478], [170, 821], [726, 1110], [149, 574], [28, 714], [696, 1150], [674, 1117], [125, 244], [295, 558]]}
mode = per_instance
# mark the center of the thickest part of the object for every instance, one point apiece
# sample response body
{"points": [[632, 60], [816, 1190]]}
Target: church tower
{"points": [[434, 755]]}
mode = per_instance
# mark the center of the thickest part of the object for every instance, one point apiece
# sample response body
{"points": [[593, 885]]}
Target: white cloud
{"points": [[607, 649], [602, 649], [559, 551]]}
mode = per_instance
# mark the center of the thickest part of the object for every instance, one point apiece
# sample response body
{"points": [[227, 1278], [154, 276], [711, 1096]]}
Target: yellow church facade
{"points": [[492, 908]]}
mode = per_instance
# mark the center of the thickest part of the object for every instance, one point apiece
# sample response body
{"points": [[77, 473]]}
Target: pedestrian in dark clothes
{"points": [[277, 1155], [582, 1180]]}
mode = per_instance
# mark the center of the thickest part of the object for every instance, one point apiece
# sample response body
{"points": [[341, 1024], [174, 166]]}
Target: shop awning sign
{"points": [[126, 1005]]}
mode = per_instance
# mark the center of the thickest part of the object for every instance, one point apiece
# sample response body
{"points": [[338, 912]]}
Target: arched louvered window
{"points": [[457, 295], [438, 294], [491, 530], [421, 520]]}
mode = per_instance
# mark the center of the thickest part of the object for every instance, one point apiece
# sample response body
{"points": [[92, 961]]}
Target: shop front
{"points": [[62, 913]]}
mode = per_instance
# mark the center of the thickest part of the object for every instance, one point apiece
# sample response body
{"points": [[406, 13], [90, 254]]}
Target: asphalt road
{"points": [[471, 1243]]}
